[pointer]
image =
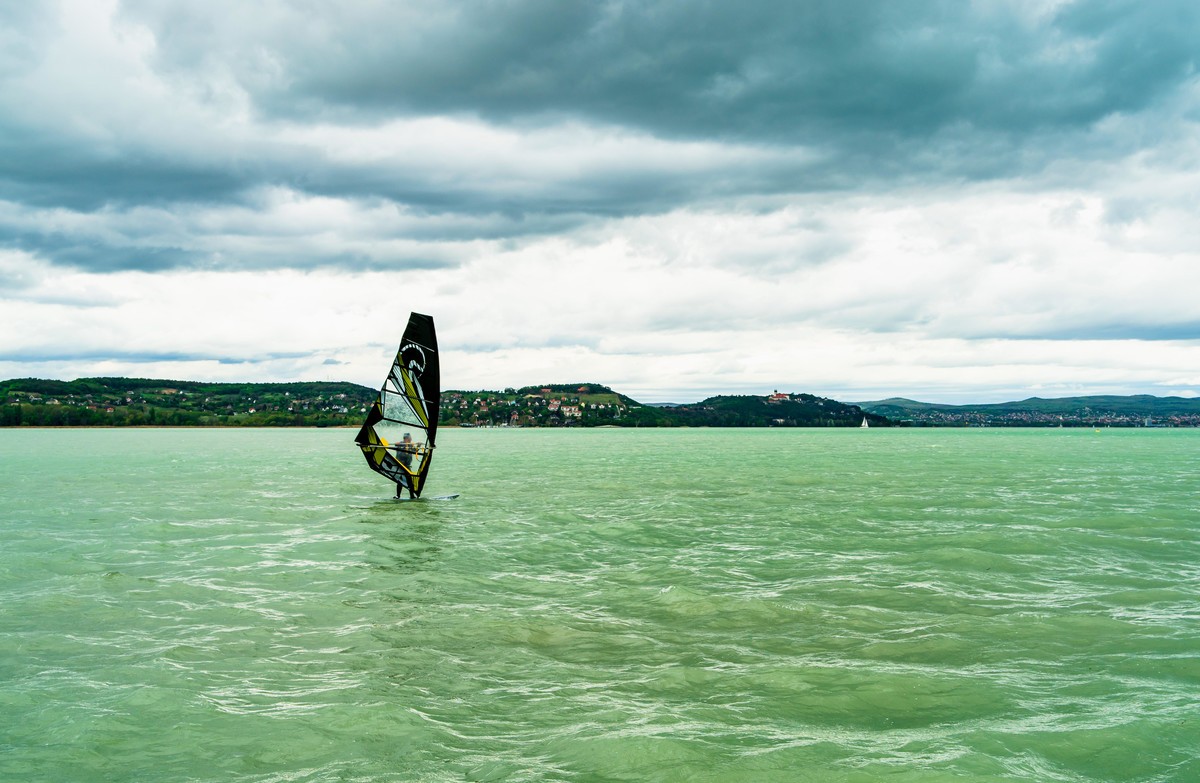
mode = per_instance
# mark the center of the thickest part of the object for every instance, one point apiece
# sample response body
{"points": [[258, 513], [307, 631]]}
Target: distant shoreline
{"points": [[155, 403]]}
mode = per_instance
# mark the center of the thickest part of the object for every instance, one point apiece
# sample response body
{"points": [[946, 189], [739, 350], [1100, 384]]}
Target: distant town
{"points": [[119, 402], [145, 402]]}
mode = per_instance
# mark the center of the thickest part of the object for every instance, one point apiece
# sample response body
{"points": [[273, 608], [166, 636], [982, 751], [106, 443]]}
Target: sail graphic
{"points": [[398, 436]]}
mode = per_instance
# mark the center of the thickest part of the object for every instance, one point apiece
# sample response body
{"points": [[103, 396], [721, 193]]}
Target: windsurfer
{"points": [[408, 399], [406, 450], [404, 453]]}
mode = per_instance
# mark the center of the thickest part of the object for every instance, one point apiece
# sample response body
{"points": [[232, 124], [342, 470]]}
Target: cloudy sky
{"points": [[951, 201]]}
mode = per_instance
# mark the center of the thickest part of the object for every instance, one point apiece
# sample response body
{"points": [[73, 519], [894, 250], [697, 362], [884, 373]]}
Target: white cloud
{"points": [[952, 297]]}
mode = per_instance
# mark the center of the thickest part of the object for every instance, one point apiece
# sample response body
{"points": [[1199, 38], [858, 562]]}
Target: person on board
{"points": [[404, 453], [406, 450]]}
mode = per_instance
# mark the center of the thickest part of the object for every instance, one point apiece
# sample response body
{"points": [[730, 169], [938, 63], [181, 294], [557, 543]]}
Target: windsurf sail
{"points": [[398, 436]]}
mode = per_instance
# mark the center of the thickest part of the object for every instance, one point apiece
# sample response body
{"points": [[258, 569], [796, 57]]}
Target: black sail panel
{"points": [[400, 430]]}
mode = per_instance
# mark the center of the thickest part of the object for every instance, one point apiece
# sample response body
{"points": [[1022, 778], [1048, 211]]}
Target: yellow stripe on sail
{"points": [[410, 392]]}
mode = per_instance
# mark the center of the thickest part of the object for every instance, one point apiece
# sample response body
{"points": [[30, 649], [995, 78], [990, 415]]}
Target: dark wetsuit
{"points": [[405, 454]]}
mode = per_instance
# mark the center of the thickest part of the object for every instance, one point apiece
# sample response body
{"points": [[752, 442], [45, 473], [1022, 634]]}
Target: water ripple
{"points": [[700, 605]]}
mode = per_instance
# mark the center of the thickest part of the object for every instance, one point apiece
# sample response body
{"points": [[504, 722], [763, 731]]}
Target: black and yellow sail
{"points": [[398, 436]]}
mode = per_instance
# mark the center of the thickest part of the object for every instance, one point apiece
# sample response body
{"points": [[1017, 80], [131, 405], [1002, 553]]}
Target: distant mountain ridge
{"points": [[1107, 410]]}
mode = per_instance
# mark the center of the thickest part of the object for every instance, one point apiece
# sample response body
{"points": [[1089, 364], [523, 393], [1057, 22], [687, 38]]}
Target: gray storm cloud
{"points": [[200, 104]]}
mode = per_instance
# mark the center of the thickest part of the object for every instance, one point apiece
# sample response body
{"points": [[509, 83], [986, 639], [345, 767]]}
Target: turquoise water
{"points": [[602, 605]]}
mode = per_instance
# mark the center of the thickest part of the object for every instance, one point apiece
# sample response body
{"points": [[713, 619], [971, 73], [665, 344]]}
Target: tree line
{"points": [[135, 402]]}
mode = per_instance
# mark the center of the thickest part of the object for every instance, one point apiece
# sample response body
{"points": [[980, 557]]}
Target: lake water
{"points": [[602, 605]]}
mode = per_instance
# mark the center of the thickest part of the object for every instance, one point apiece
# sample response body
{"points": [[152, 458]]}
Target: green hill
{"points": [[790, 410], [146, 402], [593, 404]]}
